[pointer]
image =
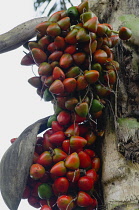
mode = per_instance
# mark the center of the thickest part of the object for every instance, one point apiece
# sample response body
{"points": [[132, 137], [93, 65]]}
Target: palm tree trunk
{"points": [[120, 149]]}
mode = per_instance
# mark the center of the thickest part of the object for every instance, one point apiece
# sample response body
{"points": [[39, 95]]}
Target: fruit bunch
{"points": [[64, 171], [76, 72]]}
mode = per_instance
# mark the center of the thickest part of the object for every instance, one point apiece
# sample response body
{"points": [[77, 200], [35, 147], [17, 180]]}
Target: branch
{"points": [[19, 35]]}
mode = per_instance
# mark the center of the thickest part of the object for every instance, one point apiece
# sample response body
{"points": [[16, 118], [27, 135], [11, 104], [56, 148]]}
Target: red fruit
{"points": [[71, 36], [53, 30], [57, 138], [46, 142], [45, 159], [26, 192], [41, 27], [77, 142], [83, 199], [55, 56], [114, 40], [59, 155], [91, 24], [45, 69], [73, 176], [13, 140], [43, 202], [38, 148], [65, 202], [90, 137], [45, 207], [35, 157], [64, 23], [56, 126], [92, 174], [55, 16], [83, 6], [52, 47], [83, 129], [60, 100], [81, 83], [58, 169], [35, 202], [82, 35], [38, 55], [59, 43], [94, 204], [72, 161], [96, 163], [66, 60], [90, 152], [100, 56], [72, 130], [56, 87], [79, 58], [69, 84], [61, 185], [58, 74], [76, 118], [71, 49], [125, 33], [85, 183], [85, 160], [91, 76], [36, 171], [90, 48], [71, 103], [45, 178], [27, 60], [63, 118], [44, 42], [34, 191], [66, 146], [101, 30]]}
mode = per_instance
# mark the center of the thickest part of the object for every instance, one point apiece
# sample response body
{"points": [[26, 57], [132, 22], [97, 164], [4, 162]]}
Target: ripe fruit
{"points": [[76, 72], [85, 183], [36, 171], [72, 161], [83, 199], [58, 155], [58, 169], [61, 185], [125, 33], [63, 118], [57, 138], [38, 55], [45, 207], [45, 159], [100, 56], [65, 202], [91, 76]]}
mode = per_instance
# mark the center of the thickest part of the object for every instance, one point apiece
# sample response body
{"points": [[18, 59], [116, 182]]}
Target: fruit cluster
{"points": [[64, 170], [76, 72]]}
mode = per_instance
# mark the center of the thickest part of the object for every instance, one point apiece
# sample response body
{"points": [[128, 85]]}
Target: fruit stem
{"points": [[115, 32]]}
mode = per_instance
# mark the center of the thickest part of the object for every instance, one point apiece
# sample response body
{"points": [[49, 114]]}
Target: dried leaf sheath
{"points": [[16, 162]]}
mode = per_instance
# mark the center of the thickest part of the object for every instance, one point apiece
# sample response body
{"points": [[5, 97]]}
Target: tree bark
{"points": [[120, 149]]}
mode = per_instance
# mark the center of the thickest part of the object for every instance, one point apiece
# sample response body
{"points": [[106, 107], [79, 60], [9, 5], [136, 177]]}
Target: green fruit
{"points": [[45, 191], [96, 106], [50, 120], [47, 96], [73, 13]]}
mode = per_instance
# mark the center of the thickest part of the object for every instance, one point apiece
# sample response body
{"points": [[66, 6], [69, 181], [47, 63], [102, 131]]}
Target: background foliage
{"points": [[53, 5]]}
